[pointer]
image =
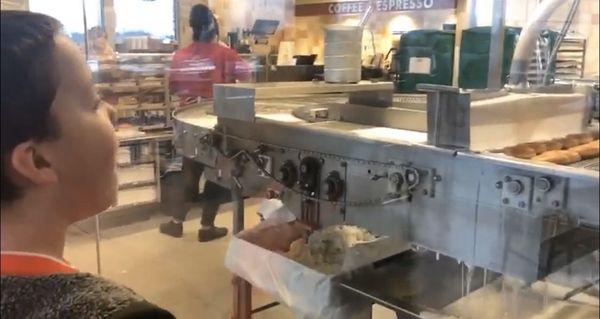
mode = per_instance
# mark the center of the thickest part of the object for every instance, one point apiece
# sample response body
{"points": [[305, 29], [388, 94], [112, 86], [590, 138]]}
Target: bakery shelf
{"points": [[131, 205], [125, 186], [127, 165], [142, 107], [137, 196], [124, 89]]}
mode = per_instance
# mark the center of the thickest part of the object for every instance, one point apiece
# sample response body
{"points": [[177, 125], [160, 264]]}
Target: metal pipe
{"points": [[85, 32], [98, 260], [561, 37], [494, 80], [471, 6], [527, 41], [156, 153], [367, 14], [237, 200]]}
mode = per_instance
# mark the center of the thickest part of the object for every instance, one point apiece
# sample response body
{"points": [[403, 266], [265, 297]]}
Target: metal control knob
{"points": [[396, 180], [544, 184], [310, 171], [288, 174], [514, 187], [412, 177], [333, 186]]}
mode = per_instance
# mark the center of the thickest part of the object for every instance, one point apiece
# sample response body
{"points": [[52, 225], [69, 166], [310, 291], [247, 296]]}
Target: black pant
{"points": [[181, 189]]}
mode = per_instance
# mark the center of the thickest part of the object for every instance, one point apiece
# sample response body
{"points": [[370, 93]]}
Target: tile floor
{"points": [[180, 274]]}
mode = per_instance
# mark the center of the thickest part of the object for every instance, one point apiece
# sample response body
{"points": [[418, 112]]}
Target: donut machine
{"points": [[422, 169]]}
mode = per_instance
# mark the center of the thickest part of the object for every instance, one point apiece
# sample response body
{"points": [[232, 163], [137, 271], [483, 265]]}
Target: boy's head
{"points": [[58, 144]]}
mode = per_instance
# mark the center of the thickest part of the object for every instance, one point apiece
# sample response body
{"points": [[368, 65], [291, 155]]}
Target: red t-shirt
{"points": [[14, 263], [195, 68]]}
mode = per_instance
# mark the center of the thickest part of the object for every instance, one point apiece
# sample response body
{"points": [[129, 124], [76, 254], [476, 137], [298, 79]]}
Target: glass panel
{"points": [[134, 31], [482, 221], [70, 14]]}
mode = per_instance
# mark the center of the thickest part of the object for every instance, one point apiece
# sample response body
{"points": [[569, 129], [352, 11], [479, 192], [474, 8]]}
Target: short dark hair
{"points": [[204, 25], [29, 85]]}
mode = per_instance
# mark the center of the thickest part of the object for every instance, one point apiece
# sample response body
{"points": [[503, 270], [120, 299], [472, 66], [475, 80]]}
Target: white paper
{"points": [[419, 65], [274, 209], [380, 312]]}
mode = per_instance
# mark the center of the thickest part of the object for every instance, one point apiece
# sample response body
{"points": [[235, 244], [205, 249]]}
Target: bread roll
{"points": [[561, 157], [556, 157], [588, 150], [554, 145], [582, 138], [574, 157], [538, 147], [570, 142], [520, 151]]}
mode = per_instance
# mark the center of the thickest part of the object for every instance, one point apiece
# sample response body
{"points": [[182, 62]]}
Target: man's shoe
{"points": [[211, 233], [172, 229]]}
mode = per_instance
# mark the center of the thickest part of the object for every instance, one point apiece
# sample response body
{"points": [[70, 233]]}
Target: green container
{"points": [[424, 56], [475, 55]]}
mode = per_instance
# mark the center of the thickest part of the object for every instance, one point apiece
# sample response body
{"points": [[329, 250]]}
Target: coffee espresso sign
{"points": [[354, 7]]}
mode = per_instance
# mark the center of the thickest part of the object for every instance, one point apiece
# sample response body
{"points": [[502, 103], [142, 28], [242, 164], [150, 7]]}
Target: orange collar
{"points": [[13, 263]]}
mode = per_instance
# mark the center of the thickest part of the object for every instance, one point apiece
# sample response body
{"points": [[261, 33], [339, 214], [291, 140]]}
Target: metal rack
{"points": [[570, 60], [569, 63]]}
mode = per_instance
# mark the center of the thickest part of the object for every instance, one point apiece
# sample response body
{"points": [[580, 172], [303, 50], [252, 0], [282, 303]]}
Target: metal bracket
{"points": [[237, 101], [412, 180], [432, 178], [544, 194], [550, 192], [448, 116], [267, 165], [517, 191]]}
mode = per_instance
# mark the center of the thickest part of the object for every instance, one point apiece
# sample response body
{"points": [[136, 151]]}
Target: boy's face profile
{"points": [[85, 152], [79, 167]]}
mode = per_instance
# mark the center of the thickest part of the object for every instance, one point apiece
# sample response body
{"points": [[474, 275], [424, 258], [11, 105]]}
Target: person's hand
{"points": [[274, 237]]}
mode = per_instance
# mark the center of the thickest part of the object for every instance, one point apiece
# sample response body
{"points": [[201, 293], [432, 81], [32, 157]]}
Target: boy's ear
{"points": [[31, 165]]}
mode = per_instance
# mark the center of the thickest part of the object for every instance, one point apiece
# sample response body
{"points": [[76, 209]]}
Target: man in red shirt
{"points": [[194, 70]]}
